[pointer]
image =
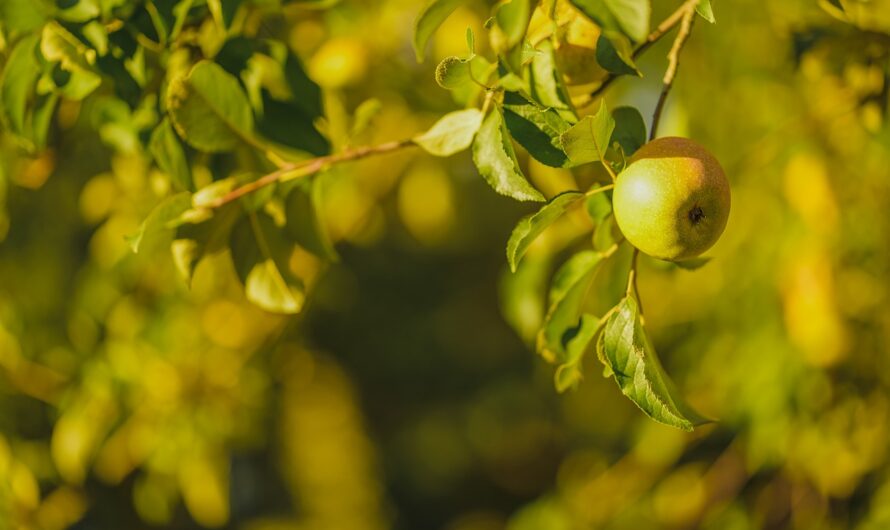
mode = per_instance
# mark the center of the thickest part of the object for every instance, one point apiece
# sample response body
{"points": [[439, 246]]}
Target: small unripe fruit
{"points": [[672, 200]]}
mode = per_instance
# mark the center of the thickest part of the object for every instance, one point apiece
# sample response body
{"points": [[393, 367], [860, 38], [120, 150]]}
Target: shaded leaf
{"points": [[209, 109], [161, 219], [303, 220], [260, 255], [630, 129], [598, 207], [615, 55], [168, 152], [530, 227], [536, 128], [567, 292], [495, 158]]}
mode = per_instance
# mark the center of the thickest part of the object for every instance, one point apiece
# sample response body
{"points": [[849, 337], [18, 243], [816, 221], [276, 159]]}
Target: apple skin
{"points": [[672, 200]]}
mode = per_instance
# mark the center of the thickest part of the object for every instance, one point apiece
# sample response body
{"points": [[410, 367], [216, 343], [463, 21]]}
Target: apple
{"points": [[672, 200]]}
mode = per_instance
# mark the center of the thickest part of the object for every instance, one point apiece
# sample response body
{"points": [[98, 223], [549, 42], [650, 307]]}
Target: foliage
{"points": [[192, 192]]}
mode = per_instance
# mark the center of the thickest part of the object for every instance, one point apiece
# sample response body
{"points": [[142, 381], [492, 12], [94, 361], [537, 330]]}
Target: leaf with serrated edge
{"points": [[495, 159], [530, 227], [453, 133], [588, 139], [639, 373]]}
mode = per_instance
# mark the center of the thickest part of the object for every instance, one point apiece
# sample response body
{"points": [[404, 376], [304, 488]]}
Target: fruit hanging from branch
{"points": [[672, 201]]}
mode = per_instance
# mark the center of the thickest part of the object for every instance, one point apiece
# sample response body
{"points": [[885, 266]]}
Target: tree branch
{"points": [[307, 167], [666, 25], [673, 64]]}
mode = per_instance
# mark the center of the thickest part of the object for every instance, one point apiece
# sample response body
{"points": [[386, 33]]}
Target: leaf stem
{"points": [[601, 189], [663, 28], [673, 64], [305, 168]]}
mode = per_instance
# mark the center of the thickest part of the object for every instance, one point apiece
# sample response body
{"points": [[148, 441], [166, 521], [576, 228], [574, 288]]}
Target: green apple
{"points": [[672, 200]]}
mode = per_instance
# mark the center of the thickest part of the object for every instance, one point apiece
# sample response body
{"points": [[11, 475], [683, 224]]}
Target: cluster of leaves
{"points": [[208, 91], [192, 85], [524, 99]]}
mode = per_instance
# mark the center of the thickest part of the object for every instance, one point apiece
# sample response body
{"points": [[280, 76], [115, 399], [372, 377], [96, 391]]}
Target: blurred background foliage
{"points": [[401, 397]]}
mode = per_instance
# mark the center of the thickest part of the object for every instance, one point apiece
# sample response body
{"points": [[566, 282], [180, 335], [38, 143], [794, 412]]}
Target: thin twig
{"points": [[632, 280], [673, 64], [307, 167], [666, 25]]}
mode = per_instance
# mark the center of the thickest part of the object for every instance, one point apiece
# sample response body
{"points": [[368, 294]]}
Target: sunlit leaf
{"points": [[631, 17], [638, 372], [704, 9], [452, 134], [495, 158], [588, 139], [531, 226], [432, 16]]}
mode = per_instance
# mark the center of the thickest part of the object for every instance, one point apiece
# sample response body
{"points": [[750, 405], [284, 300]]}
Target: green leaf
{"points": [[567, 293], [602, 235], [432, 16], [169, 155], [704, 9], [453, 133], [630, 129], [598, 207], [588, 139], [629, 354], [536, 128], [304, 223], [547, 87], [23, 16], [363, 116], [209, 109], [17, 83], [615, 54], [531, 226], [260, 255], [568, 375], [495, 158], [195, 240], [512, 17], [631, 17], [161, 219], [522, 295]]}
